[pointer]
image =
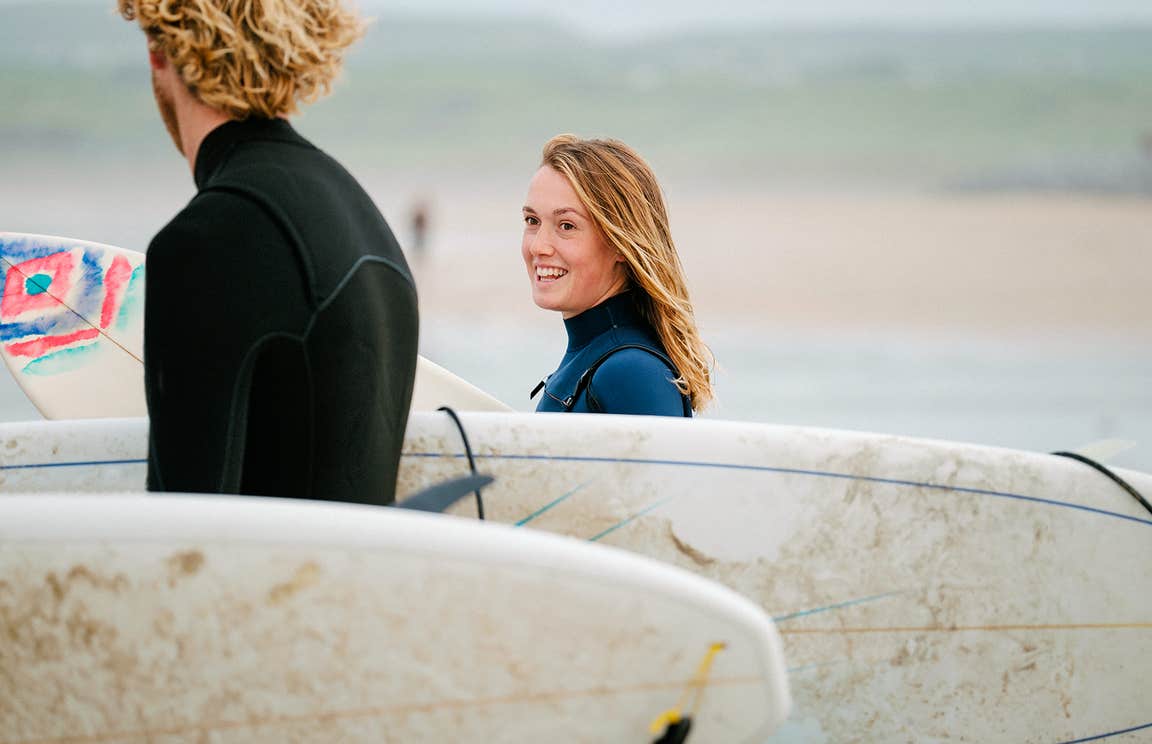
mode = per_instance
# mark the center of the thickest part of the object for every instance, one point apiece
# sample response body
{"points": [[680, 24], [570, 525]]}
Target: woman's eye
{"points": [[530, 220], [567, 226]]}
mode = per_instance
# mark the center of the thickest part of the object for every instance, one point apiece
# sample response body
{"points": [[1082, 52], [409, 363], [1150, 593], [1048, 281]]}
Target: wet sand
{"points": [[984, 265], [999, 265]]}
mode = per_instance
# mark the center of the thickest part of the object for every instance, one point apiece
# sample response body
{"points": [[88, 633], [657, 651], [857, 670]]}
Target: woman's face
{"points": [[569, 263]]}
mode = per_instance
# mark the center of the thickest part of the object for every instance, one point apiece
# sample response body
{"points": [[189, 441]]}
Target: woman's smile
{"points": [[549, 274]]}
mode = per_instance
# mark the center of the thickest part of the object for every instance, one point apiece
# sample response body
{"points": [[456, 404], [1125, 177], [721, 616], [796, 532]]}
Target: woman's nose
{"points": [[541, 244]]}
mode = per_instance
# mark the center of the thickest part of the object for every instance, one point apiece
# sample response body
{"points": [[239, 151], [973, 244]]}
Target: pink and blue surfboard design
{"points": [[71, 320], [72, 332]]}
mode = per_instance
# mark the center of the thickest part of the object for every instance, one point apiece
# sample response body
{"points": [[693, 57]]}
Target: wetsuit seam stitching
{"points": [[230, 445], [347, 278], [310, 475]]}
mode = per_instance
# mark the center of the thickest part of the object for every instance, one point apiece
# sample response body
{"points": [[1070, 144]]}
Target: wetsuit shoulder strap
{"points": [[586, 378]]}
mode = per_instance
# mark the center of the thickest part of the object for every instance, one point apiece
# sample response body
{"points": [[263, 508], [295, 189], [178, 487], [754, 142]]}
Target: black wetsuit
{"points": [[280, 328], [614, 363]]}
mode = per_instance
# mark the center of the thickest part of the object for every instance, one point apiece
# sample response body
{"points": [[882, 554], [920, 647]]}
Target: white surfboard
{"points": [[924, 590], [436, 386], [236, 620], [72, 332]]}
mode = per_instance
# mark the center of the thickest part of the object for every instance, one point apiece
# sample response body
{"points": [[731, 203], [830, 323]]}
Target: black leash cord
{"points": [[467, 451], [1117, 479]]}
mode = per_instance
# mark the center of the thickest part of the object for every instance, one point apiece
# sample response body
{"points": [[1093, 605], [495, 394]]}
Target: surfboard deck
{"points": [[72, 325], [237, 619], [924, 590], [72, 332]]}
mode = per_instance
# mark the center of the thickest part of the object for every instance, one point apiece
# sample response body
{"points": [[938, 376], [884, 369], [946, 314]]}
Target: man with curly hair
{"points": [[280, 315]]}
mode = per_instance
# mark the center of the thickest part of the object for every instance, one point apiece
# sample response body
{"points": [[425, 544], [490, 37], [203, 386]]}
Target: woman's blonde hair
{"points": [[250, 57], [623, 198]]}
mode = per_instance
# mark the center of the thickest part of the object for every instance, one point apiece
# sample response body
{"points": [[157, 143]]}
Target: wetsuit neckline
{"points": [[617, 310], [220, 141]]}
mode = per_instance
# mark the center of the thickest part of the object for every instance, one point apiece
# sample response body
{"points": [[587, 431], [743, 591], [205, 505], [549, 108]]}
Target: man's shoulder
{"points": [[289, 179], [211, 222]]}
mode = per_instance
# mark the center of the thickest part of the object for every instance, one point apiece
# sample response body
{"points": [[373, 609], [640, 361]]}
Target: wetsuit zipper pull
{"points": [[537, 389]]}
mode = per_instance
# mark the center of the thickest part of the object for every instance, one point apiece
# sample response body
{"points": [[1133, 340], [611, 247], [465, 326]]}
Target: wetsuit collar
{"points": [[218, 144], [617, 310]]}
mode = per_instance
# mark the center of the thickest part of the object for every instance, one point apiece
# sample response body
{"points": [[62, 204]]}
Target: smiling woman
{"points": [[598, 249]]}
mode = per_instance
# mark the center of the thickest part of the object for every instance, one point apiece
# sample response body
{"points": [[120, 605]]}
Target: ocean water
{"points": [[1040, 396]]}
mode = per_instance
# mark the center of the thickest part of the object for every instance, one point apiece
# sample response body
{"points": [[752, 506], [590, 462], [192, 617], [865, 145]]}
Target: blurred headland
{"points": [[979, 109]]}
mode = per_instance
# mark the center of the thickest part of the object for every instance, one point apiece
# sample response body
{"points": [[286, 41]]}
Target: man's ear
{"points": [[156, 59]]}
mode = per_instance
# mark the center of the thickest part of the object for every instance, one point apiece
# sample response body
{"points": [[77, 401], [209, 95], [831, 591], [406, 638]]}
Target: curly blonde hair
{"points": [[250, 57], [622, 196]]}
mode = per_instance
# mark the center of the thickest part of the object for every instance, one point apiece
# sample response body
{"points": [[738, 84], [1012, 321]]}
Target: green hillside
{"points": [[925, 108]]}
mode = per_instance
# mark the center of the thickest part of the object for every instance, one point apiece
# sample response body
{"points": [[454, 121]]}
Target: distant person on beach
{"points": [[598, 249], [280, 318], [420, 218]]}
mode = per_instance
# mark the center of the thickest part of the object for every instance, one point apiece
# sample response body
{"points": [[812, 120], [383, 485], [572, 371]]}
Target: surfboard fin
{"points": [[439, 497], [677, 732]]}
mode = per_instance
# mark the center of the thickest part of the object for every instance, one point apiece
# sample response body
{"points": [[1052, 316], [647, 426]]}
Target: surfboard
{"points": [[72, 325], [72, 332], [436, 386], [236, 619], [923, 590]]}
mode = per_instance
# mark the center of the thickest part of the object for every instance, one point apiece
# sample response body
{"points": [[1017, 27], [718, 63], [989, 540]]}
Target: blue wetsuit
{"points": [[615, 363]]}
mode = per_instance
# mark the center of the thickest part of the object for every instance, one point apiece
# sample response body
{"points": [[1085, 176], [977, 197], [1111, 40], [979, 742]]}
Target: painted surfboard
{"points": [[72, 332], [229, 619], [72, 325], [924, 590]]}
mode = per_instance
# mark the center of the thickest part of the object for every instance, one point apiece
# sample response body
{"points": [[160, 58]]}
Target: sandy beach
{"points": [[999, 264], [992, 265]]}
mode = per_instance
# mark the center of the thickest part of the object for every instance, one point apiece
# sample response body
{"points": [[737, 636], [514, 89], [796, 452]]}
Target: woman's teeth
{"points": [[549, 272]]}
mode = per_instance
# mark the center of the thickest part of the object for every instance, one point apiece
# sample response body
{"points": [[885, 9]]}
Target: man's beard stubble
{"points": [[167, 113]]}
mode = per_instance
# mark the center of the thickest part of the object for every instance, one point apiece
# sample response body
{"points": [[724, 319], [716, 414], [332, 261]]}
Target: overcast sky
{"points": [[644, 16], [639, 17]]}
